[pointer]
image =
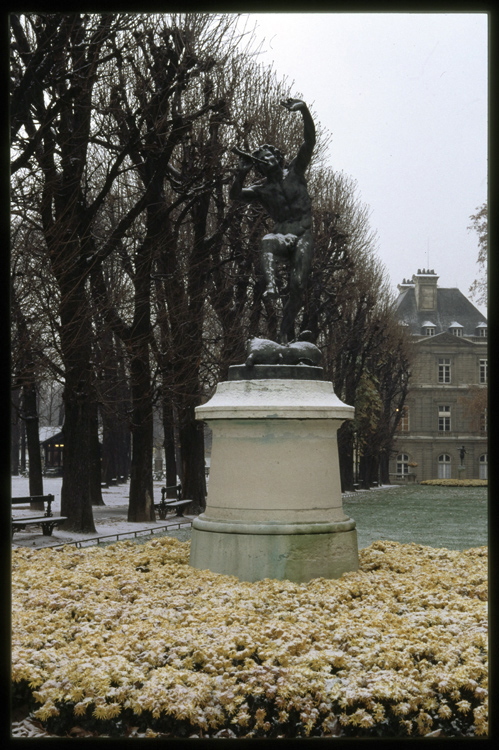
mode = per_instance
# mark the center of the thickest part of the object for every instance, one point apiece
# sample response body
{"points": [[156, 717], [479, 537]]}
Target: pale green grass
{"points": [[451, 517]]}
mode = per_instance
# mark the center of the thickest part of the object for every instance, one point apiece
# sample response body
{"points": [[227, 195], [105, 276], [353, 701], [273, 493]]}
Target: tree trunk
{"points": [[124, 454], [109, 469], [115, 450], [384, 468], [23, 447], [33, 441], [191, 433], [79, 403], [95, 460], [15, 431], [141, 506], [76, 498], [169, 445]]}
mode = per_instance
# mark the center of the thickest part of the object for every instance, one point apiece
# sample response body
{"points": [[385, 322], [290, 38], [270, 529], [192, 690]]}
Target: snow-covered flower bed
{"points": [[131, 638]]}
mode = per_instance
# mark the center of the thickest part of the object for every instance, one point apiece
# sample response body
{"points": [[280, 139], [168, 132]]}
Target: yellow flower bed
{"points": [[131, 633], [456, 482]]}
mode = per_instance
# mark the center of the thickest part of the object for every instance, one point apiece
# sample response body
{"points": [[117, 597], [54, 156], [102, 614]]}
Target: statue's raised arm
{"points": [[302, 159]]}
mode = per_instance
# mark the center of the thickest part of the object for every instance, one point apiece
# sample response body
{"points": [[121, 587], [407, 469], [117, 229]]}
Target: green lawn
{"points": [[452, 517]]}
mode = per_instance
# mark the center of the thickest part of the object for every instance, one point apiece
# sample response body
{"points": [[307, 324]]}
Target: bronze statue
{"points": [[284, 195], [267, 352]]}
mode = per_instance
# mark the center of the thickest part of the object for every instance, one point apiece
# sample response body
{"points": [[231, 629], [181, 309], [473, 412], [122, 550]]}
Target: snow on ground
{"points": [[112, 496], [110, 519]]}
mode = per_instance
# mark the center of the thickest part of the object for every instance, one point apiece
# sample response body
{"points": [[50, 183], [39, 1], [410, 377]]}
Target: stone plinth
{"points": [[274, 507]]}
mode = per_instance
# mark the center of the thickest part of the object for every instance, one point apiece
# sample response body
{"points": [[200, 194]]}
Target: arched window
{"points": [[444, 465], [483, 466], [403, 464]]}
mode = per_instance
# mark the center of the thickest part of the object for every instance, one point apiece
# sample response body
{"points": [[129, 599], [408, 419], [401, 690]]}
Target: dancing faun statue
{"points": [[285, 196]]}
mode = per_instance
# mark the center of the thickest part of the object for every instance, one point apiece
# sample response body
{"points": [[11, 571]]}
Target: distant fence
{"points": [[124, 534]]}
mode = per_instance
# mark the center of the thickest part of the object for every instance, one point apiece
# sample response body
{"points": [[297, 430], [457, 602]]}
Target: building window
{"points": [[483, 466], [403, 425], [481, 330], [54, 455], [444, 418], [483, 420], [444, 370], [483, 371], [456, 328], [444, 466], [403, 464], [429, 331]]}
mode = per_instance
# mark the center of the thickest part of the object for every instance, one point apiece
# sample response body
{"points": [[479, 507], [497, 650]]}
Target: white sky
{"points": [[405, 98]]}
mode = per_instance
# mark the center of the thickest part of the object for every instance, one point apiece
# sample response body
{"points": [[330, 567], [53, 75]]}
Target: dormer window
{"points": [[456, 329], [481, 330], [428, 328]]}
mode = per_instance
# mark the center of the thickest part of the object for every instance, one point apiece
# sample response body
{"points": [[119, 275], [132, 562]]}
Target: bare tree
{"points": [[348, 308], [381, 396], [26, 380], [480, 225], [55, 64], [122, 129], [474, 408], [34, 356], [155, 113]]}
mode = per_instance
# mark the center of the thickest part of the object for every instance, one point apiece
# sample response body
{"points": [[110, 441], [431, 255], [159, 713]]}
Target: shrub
{"points": [[130, 636]]}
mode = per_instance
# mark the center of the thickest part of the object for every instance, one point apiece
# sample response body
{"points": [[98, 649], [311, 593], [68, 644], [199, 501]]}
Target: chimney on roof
{"points": [[425, 288], [406, 284]]}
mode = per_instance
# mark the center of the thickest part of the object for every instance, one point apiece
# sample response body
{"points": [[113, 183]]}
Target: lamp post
{"points": [[461, 468]]}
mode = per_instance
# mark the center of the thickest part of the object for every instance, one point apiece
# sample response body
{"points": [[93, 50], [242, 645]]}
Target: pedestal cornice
{"points": [[275, 399]]}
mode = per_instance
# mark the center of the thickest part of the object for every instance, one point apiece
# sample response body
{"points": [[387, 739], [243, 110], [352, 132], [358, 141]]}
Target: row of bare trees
{"points": [[135, 280]]}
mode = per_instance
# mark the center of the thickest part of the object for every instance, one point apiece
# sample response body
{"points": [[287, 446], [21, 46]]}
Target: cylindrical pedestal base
{"points": [[295, 552], [274, 506]]}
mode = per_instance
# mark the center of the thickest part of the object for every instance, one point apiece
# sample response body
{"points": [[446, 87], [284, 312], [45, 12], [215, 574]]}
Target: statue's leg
{"points": [[268, 266], [290, 311], [274, 246], [301, 261]]}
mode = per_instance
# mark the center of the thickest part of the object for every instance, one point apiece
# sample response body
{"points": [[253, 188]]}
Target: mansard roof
{"points": [[452, 307]]}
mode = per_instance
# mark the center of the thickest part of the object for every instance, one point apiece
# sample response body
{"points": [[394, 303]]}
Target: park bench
{"points": [[48, 521], [167, 504]]}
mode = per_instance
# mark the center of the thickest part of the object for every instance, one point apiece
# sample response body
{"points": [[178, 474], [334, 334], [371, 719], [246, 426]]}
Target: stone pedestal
{"points": [[274, 507]]}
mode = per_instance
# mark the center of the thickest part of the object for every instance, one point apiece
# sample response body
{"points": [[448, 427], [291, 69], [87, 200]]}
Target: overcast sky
{"points": [[405, 98]]}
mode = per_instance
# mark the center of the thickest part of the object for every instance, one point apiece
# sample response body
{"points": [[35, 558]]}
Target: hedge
{"points": [[129, 638]]}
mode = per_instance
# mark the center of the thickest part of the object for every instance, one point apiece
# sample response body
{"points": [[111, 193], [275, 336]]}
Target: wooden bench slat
{"points": [[33, 499], [41, 520], [166, 502], [48, 521]]}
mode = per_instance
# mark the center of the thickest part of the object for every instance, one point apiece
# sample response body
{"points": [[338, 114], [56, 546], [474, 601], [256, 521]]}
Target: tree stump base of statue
{"points": [[274, 507]]}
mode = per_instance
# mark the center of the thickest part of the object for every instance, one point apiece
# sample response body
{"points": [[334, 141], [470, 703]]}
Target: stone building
{"points": [[443, 431]]}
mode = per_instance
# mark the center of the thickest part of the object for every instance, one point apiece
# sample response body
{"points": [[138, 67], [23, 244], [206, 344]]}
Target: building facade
{"points": [[443, 430]]}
